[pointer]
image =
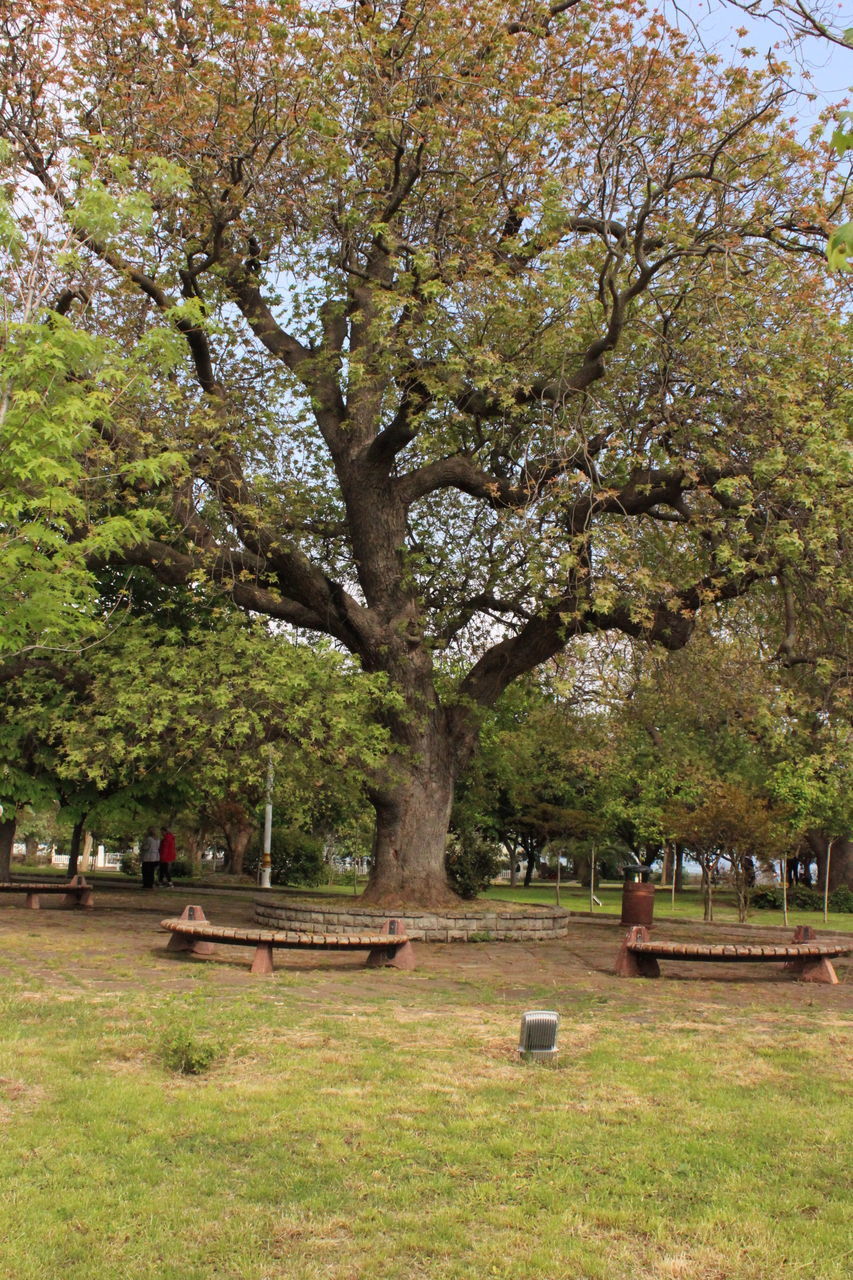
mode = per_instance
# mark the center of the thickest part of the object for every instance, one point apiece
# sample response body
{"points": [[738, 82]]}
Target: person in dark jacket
{"points": [[167, 857]]}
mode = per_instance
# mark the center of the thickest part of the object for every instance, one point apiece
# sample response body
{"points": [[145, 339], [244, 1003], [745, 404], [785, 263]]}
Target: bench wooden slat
{"points": [[255, 937], [76, 892], [39, 886], [195, 932], [678, 951], [805, 957]]}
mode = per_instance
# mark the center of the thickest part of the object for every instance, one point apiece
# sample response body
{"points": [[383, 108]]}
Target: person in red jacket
{"points": [[167, 858]]}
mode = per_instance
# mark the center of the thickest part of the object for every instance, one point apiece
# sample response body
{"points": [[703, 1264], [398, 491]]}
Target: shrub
{"points": [[472, 863], [841, 899], [182, 1053], [297, 857], [803, 899], [182, 867], [806, 899], [129, 864], [767, 900]]}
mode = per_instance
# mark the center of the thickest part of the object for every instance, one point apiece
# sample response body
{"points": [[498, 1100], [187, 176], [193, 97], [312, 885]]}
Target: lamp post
{"points": [[266, 859]]}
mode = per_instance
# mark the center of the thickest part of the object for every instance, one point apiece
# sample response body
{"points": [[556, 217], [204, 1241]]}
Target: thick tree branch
{"points": [[316, 603], [551, 11], [670, 623], [403, 427], [254, 309]]}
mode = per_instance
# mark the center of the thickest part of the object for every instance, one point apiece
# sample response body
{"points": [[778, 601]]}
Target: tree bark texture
{"points": [[840, 861], [76, 844], [193, 843], [7, 839], [707, 891], [679, 869], [412, 818], [238, 830]]}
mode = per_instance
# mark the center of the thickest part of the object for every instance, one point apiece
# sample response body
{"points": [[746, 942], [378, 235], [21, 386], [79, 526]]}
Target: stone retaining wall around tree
{"points": [[536, 924]]}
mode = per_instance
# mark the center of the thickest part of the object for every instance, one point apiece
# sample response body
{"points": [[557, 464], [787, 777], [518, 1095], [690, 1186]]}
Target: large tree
{"points": [[501, 324]]}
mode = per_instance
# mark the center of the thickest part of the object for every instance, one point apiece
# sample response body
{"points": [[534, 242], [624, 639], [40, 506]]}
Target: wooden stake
{"points": [[592, 879], [783, 867], [826, 882]]}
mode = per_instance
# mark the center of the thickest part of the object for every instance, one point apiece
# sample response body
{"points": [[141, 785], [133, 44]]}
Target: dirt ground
{"points": [[119, 944]]}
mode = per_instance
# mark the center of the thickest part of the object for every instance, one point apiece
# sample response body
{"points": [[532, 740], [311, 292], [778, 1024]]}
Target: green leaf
{"points": [[839, 250]]}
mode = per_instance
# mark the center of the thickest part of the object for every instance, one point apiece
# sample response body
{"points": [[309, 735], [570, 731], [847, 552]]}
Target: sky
{"points": [[817, 66]]}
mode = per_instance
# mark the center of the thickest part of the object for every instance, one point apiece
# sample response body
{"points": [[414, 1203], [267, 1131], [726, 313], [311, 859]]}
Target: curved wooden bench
{"points": [[803, 957], [193, 932], [76, 892]]}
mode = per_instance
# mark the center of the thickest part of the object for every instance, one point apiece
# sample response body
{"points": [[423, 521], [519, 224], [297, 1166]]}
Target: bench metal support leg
{"points": [[262, 962]]}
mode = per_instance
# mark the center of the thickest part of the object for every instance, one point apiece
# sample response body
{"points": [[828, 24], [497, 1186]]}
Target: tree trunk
{"points": [[667, 870], [583, 869], [651, 853], [76, 841], [741, 883], [235, 822], [531, 866], [410, 840], [238, 843], [7, 839], [679, 869], [193, 842], [840, 864], [707, 892], [238, 836]]}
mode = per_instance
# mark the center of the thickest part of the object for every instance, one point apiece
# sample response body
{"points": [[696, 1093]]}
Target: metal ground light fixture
{"points": [[538, 1035]]}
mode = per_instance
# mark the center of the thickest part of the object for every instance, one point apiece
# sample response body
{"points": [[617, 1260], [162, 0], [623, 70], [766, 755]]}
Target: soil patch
{"points": [[119, 945]]}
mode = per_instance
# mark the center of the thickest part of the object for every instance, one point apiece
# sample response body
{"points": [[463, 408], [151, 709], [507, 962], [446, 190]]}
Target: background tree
{"points": [[730, 825], [751, 707], [501, 326], [535, 778], [174, 716]]}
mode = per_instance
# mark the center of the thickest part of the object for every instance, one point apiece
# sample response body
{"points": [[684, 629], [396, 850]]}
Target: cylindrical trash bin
{"points": [[638, 896]]}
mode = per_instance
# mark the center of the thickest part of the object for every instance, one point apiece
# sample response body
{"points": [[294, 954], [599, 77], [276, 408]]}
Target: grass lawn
{"points": [[686, 906], [351, 1123]]}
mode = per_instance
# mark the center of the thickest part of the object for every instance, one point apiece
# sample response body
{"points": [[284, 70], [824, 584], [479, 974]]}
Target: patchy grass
{"points": [[686, 905], [352, 1123]]}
